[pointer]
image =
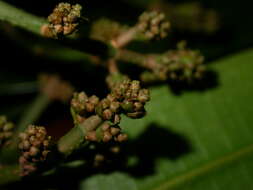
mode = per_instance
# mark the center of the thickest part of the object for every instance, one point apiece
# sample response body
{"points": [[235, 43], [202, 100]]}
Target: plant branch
{"points": [[147, 61], [76, 136], [112, 66], [125, 38], [20, 18]]}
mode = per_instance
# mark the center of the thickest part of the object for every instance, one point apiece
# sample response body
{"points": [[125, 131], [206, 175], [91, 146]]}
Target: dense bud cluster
{"points": [[83, 106], [6, 130], [185, 65], [126, 97], [63, 21], [131, 96], [181, 65], [55, 88], [35, 146], [106, 30], [153, 25], [105, 133]]}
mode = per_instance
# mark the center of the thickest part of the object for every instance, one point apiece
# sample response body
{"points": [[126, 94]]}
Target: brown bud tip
{"points": [[90, 107], [105, 126], [122, 137], [47, 31], [33, 151], [99, 157], [114, 131], [115, 149], [107, 114], [91, 136], [107, 136]]}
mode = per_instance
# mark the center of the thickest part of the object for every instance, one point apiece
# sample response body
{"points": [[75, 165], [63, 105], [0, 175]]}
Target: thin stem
{"points": [[147, 61], [125, 38], [112, 66]]}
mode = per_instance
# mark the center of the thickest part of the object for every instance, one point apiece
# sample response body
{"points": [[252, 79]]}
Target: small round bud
{"points": [[114, 131], [105, 126], [115, 149], [6, 131], [107, 136], [94, 100], [122, 137], [138, 106], [127, 106], [34, 151], [99, 158], [143, 95], [114, 106], [31, 130], [107, 114], [26, 145], [90, 107], [116, 119], [91, 136]]}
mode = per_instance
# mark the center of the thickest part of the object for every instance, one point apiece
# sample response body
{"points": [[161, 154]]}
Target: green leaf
{"points": [[113, 181], [197, 140]]}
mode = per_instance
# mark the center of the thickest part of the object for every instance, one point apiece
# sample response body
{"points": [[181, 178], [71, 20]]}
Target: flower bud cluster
{"points": [[6, 130], [177, 65], [153, 25], [83, 106], [63, 21], [131, 97], [35, 146], [126, 97], [106, 132]]}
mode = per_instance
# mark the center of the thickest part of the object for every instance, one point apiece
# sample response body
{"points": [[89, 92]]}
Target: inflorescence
{"points": [[126, 97], [153, 25], [6, 131], [35, 147], [64, 20], [176, 65]]}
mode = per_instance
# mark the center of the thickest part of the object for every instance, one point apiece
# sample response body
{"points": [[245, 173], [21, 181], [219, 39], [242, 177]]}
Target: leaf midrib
{"points": [[205, 169]]}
